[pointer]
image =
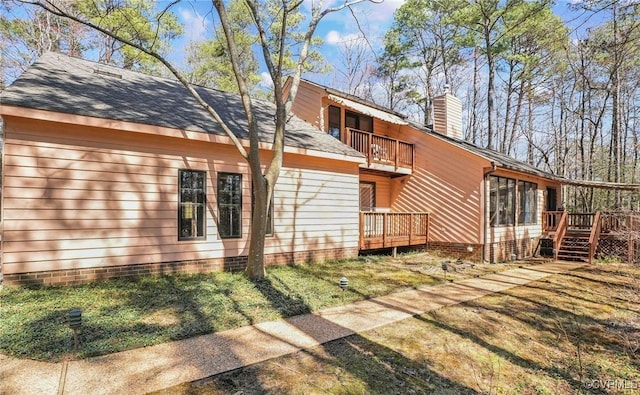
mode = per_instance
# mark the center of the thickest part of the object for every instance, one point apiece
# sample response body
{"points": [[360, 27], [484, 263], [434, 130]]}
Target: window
{"points": [[527, 192], [230, 205], [334, 121], [191, 206], [367, 196], [358, 121], [269, 214], [502, 196]]}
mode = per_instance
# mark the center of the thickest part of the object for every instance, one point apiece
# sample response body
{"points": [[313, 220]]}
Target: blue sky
{"points": [[334, 28], [373, 18]]}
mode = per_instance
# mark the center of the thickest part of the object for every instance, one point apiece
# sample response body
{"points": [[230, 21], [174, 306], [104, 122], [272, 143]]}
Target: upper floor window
{"points": [[334, 121], [358, 121], [191, 206], [230, 205], [502, 200], [527, 192]]}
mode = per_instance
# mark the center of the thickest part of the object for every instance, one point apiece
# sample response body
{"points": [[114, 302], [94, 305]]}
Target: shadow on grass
{"points": [[506, 354], [352, 364], [356, 364]]}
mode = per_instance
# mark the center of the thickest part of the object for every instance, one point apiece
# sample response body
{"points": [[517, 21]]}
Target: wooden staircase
{"points": [[575, 246], [574, 236]]}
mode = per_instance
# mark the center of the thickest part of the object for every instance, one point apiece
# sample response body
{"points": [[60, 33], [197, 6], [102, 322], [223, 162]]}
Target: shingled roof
{"points": [[70, 85], [501, 160]]}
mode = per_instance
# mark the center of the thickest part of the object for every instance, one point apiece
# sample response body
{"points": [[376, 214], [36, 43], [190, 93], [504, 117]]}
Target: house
{"points": [[481, 204], [112, 173]]}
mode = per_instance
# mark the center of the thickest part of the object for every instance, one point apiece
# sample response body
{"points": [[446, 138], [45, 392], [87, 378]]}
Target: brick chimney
{"points": [[447, 114]]}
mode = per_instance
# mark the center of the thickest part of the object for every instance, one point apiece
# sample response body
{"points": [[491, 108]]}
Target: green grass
{"points": [[571, 333], [124, 314]]}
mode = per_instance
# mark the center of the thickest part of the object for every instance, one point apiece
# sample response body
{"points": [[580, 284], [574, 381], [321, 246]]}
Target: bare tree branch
{"points": [[49, 6]]}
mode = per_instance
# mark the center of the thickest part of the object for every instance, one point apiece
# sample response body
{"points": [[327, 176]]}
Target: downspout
{"points": [[486, 221]]}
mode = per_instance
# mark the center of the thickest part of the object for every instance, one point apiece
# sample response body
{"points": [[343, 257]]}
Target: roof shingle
{"points": [[70, 85]]}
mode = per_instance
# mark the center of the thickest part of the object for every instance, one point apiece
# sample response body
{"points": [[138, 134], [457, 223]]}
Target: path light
{"points": [[445, 267], [74, 320], [344, 284]]}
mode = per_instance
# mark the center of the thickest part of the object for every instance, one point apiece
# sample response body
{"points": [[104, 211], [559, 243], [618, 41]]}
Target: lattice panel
{"points": [[619, 248]]}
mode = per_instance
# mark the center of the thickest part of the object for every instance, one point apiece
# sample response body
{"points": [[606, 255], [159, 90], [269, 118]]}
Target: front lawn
{"points": [[124, 314], [572, 333]]}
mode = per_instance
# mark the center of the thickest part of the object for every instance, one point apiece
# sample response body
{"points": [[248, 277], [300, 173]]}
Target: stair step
{"points": [[580, 253]]}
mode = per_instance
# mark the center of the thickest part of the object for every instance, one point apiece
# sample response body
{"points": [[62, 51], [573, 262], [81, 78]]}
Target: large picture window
{"points": [[191, 205], [502, 199], [230, 205], [527, 192]]}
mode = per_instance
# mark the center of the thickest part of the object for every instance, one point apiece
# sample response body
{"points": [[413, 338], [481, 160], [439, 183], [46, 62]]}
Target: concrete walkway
{"points": [[153, 368]]}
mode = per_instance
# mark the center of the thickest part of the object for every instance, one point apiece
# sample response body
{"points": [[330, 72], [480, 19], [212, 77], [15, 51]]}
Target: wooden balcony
{"points": [[382, 153], [385, 230]]}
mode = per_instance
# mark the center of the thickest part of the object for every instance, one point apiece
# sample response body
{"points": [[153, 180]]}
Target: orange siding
{"points": [[383, 189], [447, 183], [308, 104], [76, 197]]}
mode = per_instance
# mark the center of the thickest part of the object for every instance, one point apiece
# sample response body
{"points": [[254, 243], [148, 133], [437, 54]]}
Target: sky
{"points": [[373, 18]]}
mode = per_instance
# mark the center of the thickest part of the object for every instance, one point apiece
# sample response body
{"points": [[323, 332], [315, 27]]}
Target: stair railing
{"points": [[594, 236], [561, 230]]}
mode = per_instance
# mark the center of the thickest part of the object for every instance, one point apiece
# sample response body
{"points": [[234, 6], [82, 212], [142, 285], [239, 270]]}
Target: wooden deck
{"points": [[382, 153], [385, 230], [578, 236]]}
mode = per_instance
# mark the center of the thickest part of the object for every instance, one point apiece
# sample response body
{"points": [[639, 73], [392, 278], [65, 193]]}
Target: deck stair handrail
{"points": [[550, 220], [594, 236], [560, 231]]}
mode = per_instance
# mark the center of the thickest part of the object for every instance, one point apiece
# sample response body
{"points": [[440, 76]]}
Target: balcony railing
{"points": [[381, 150], [384, 230]]}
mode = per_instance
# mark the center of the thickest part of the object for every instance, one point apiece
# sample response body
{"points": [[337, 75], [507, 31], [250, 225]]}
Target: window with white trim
{"points": [[192, 199]]}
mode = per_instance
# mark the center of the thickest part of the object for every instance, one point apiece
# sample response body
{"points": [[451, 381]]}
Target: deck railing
{"points": [[380, 149], [383, 230], [560, 231], [594, 236], [581, 220], [550, 220], [620, 221]]}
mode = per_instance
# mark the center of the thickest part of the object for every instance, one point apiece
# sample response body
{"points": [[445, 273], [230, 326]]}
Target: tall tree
{"points": [[392, 71], [486, 30], [533, 53], [430, 45], [208, 61], [136, 21], [275, 46], [25, 34]]}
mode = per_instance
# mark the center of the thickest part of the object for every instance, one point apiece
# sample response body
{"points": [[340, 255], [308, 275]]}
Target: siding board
{"points": [[81, 198]]}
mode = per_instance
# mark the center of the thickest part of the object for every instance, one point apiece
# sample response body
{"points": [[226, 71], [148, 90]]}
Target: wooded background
{"points": [[557, 94]]}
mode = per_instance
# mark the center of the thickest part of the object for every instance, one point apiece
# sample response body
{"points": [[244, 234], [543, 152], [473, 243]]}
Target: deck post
{"points": [[396, 145], [368, 149], [394, 251], [361, 230], [411, 226], [384, 230]]}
